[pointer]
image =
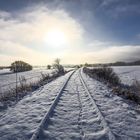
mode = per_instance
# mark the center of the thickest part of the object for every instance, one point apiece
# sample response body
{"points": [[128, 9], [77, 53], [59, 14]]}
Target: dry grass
{"points": [[24, 88], [105, 74], [109, 77]]}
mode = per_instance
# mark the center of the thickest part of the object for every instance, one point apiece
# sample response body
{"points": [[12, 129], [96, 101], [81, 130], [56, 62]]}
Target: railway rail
{"points": [[73, 115]]}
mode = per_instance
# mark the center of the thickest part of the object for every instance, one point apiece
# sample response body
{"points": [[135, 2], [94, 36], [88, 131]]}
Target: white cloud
{"points": [[99, 45], [119, 8], [114, 53], [102, 55], [23, 36], [4, 14], [11, 51]]}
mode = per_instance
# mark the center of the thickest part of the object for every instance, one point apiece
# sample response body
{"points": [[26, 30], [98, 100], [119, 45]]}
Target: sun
{"points": [[55, 38]]}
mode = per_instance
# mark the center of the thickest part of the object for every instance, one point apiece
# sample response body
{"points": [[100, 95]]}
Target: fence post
{"points": [[16, 82]]}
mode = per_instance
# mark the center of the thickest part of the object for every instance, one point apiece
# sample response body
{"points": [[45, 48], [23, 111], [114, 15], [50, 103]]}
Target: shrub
{"points": [[136, 85], [23, 87], [58, 67], [107, 74], [136, 88], [22, 81], [44, 77], [20, 66], [103, 73], [48, 67]]}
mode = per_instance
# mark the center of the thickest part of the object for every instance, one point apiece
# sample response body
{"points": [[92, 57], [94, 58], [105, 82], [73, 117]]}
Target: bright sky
{"points": [[74, 31]]}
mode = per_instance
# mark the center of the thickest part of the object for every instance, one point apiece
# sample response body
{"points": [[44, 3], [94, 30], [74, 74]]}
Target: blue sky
{"points": [[102, 30]]}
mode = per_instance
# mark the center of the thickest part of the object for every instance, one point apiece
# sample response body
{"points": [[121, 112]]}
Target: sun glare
{"points": [[55, 38]]}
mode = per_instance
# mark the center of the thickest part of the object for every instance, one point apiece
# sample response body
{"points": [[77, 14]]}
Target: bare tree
{"points": [[48, 66], [57, 61], [58, 67]]}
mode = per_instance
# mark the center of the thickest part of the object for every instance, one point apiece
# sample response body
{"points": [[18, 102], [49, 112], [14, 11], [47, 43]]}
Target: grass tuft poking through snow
{"points": [[109, 77]]}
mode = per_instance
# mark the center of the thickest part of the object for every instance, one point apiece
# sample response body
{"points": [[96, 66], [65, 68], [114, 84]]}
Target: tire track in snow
{"points": [[101, 129]]}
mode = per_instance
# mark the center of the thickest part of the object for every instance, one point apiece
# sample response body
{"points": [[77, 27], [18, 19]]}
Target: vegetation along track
{"points": [[73, 115]]}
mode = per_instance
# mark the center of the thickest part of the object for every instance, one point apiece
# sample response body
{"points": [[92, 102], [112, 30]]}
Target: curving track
{"points": [[73, 115]]}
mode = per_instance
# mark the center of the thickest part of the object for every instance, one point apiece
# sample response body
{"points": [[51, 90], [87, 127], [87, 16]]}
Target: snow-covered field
{"points": [[84, 110], [8, 79], [128, 74], [122, 117], [19, 122]]}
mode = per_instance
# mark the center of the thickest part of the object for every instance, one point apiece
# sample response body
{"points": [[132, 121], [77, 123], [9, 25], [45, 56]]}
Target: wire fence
{"points": [[16, 82], [19, 77]]}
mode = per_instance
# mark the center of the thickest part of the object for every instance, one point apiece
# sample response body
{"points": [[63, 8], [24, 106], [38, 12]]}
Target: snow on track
{"points": [[20, 122], [62, 122], [71, 108], [46, 117], [97, 119], [74, 117], [122, 116]]}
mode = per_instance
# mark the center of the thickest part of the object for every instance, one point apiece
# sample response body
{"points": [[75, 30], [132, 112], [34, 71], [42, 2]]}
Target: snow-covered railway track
{"points": [[36, 134], [82, 111], [95, 125], [73, 115]]}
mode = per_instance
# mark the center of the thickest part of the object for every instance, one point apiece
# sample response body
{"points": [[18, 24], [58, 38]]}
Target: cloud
{"points": [[11, 51], [4, 14], [22, 36], [99, 45], [119, 8], [114, 53], [104, 54], [32, 23]]}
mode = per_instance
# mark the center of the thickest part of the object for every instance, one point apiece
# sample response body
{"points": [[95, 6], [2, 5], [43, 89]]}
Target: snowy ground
{"points": [[75, 116], [122, 116], [128, 74], [8, 79], [20, 121]]}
